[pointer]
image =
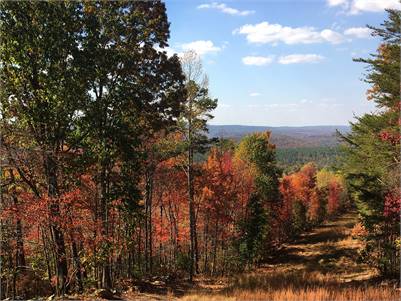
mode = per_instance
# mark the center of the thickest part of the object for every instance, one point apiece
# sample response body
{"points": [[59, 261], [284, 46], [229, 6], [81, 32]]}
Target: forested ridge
{"points": [[284, 136], [110, 183], [292, 158]]}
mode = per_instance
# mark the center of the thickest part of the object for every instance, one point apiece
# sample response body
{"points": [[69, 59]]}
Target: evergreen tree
{"points": [[260, 155], [256, 151], [253, 231], [373, 151]]}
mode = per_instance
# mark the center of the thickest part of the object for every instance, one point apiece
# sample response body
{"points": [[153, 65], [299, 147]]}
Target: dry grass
{"points": [[297, 286], [320, 266], [310, 294]]}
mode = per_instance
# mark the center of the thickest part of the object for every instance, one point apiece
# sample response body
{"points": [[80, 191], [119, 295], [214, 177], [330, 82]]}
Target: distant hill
{"points": [[285, 136]]}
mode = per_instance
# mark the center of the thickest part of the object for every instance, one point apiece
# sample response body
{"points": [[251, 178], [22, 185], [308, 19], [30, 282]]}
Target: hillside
{"points": [[284, 137], [321, 264]]}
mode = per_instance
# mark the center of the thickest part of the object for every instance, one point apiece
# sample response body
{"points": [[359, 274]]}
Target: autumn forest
{"points": [[111, 187]]}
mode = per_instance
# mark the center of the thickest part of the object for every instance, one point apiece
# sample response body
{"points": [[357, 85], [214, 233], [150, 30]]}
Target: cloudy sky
{"points": [[281, 62]]}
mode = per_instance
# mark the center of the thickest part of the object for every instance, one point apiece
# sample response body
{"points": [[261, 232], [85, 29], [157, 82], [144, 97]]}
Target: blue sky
{"points": [[281, 62]]}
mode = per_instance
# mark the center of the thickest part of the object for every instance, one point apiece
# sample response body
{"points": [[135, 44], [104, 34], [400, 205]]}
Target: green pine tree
{"points": [[372, 154]]}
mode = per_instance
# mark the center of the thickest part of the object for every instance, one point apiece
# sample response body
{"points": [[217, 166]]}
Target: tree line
{"points": [[290, 159], [372, 154]]}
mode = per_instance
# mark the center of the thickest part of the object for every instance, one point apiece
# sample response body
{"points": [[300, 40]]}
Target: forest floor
{"points": [[319, 265]]}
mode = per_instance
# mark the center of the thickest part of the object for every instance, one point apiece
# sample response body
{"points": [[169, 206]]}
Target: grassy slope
{"points": [[320, 265]]}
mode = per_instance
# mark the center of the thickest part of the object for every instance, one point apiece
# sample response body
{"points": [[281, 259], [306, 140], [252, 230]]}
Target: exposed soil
{"points": [[327, 249]]}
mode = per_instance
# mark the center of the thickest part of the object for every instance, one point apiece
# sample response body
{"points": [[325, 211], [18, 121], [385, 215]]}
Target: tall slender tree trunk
{"points": [[191, 212], [146, 251], [77, 264], [148, 219], [20, 253], [196, 244], [161, 259], [206, 240], [150, 225], [105, 270], [47, 255], [215, 247], [61, 258], [139, 250], [173, 233]]}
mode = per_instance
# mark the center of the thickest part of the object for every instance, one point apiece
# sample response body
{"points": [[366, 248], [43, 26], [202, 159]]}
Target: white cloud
{"points": [[358, 6], [300, 58], [201, 47], [265, 32], [257, 60], [358, 32], [332, 36], [336, 2], [226, 9], [374, 5], [254, 94]]}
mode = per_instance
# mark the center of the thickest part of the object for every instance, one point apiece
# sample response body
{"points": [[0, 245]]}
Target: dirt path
{"points": [[328, 249]]}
